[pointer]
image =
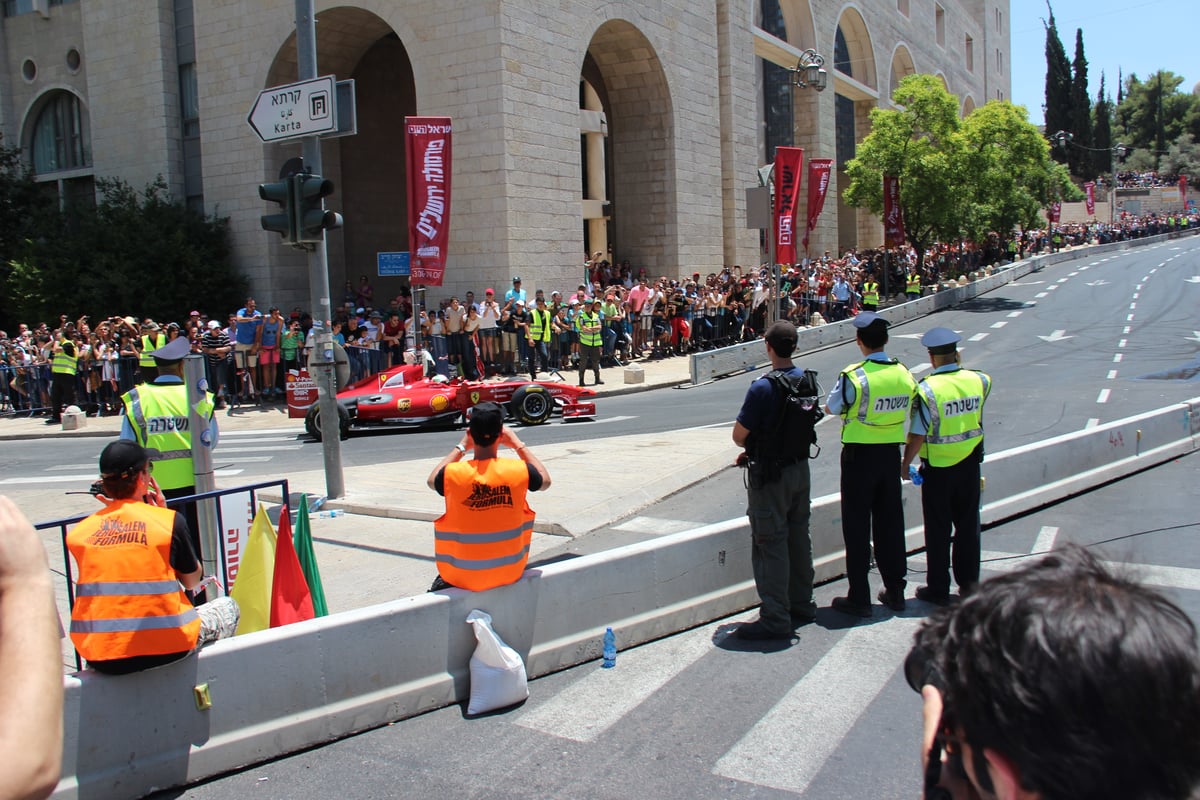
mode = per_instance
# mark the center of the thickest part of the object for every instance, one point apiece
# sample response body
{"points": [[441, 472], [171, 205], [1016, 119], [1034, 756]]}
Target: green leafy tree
{"points": [[133, 253], [1183, 158], [918, 143], [1058, 83], [1081, 156], [1153, 114], [25, 207]]}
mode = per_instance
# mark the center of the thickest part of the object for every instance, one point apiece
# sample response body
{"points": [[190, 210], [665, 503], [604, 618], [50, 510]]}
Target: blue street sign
{"points": [[393, 264]]}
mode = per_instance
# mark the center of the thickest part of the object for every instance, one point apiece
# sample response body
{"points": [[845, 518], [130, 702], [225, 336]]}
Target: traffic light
{"points": [[284, 222], [311, 218]]}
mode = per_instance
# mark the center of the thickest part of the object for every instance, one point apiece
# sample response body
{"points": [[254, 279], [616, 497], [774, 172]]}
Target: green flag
{"points": [[302, 539]]}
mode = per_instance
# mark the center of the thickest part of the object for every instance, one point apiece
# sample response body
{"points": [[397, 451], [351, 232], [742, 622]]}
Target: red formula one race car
{"points": [[404, 396]]}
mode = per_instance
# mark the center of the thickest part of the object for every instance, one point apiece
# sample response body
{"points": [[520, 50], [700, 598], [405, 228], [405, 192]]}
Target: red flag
{"points": [[427, 161], [1054, 212], [788, 163], [290, 599], [1090, 189], [818, 185], [893, 214]]}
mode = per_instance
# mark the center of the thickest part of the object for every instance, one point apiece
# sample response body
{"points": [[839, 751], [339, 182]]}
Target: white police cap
{"points": [[940, 339], [174, 350]]}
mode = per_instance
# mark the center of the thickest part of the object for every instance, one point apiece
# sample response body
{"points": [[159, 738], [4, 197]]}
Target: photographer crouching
{"points": [[1060, 681]]}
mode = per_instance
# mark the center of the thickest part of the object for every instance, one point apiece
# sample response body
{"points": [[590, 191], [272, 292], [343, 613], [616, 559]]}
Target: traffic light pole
{"points": [[321, 361]]}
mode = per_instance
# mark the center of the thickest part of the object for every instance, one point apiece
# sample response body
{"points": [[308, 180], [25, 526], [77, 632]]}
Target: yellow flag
{"points": [[256, 571]]}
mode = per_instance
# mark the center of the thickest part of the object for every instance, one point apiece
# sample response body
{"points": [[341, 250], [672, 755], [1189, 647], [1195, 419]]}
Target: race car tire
{"points": [[312, 422], [531, 404]]}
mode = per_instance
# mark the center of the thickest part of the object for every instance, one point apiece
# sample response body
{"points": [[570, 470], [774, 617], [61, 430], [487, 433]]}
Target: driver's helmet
{"points": [[440, 379]]}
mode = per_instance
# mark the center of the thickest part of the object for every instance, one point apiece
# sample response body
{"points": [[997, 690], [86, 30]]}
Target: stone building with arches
{"points": [[577, 126]]}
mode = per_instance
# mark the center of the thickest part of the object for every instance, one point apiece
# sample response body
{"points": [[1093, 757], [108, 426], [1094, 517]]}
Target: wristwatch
{"points": [[459, 447]]}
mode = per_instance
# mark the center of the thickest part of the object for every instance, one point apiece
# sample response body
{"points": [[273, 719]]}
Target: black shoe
{"points": [[847, 606], [53, 422], [598, 381], [800, 620], [757, 632], [925, 594], [892, 598]]}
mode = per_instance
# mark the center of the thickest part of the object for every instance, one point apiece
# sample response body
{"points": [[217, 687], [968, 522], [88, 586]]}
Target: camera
{"points": [[921, 664]]}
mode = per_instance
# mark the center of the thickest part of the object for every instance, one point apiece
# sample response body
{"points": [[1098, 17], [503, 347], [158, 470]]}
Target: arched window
{"points": [[59, 140], [777, 86]]}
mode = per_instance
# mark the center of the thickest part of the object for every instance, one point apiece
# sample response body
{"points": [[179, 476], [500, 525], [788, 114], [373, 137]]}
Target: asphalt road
{"points": [[699, 714]]}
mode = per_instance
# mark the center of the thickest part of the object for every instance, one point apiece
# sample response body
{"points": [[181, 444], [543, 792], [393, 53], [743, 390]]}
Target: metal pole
{"points": [[202, 467], [1112, 190], [318, 277]]}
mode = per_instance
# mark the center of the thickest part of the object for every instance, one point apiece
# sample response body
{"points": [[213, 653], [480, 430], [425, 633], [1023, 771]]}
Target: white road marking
{"points": [[1127, 329], [1138, 287], [1071, 274], [979, 337], [999, 324], [1135, 295], [810, 719], [1062, 280], [1051, 288], [64, 467], [919, 368], [590, 706], [1045, 539], [221, 451], [225, 438], [1132, 306], [1040, 294], [1014, 314], [261, 432], [1091, 423], [1112, 374], [88, 478], [1103, 396], [1121, 343], [1129, 318], [1117, 358]]}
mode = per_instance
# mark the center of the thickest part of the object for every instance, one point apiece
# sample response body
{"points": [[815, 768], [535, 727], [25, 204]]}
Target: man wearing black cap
{"points": [[156, 416], [482, 541], [130, 613], [873, 398], [946, 429]]}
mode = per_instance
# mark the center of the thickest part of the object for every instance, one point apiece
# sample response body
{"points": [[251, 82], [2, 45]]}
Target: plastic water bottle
{"points": [[610, 649], [915, 475]]}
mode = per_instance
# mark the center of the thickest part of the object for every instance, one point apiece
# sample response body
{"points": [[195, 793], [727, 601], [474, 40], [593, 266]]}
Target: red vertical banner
{"points": [[427, 161], [893, 214], [818, 184], [1054, 212], [1089, 189], [789, 161]]}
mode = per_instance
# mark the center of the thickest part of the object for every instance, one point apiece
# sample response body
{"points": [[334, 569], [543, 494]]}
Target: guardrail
{"points": [[288, 688], [731, 360]]}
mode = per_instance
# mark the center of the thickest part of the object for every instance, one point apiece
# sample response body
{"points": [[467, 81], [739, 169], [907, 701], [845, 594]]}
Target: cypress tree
{"points": [[1081, 115], [1102, 132], [1058, 85]]}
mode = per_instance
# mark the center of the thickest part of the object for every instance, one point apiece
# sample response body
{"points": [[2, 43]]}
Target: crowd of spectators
{"points": [[488, 331], [1144, 180]]}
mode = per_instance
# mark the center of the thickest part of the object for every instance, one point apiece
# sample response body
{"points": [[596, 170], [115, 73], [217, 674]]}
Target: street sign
{"points": [[298, 109], [393, 264]]}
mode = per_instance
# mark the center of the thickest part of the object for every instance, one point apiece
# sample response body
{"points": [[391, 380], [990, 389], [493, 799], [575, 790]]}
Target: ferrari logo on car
{"points": [[403, 404], [439, 402], [474, 398]]}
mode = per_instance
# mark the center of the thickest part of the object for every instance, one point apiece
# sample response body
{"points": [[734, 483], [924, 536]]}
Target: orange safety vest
{"points": [[482, 541], [128, 601]]}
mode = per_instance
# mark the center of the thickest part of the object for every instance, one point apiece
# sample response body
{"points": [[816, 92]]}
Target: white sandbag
{"points": [[497, 671]]}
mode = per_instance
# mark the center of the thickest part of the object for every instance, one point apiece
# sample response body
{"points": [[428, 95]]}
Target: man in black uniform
{"points": [[777, 489]]}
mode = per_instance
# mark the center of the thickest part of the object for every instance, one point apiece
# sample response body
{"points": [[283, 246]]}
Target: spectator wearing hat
{"points": [[489, 329], [136, 541], [219, 353], [156, 417], [946, 429], [516, 292], [151, 339], [482, 540], [873, 398], [588, 324]]}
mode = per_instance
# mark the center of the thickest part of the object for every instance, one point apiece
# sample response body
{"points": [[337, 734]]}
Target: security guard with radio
{"points": [[870, 294], [538, 337], [63, 365], [873, 398], [946, 430], [156, 417], [147, 344], [588, 323]]}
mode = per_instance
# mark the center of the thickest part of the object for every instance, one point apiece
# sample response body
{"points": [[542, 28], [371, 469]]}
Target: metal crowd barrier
{"points": [[24, 390], [222, 556]]}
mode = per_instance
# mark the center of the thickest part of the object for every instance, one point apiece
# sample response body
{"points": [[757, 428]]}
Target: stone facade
{"points": [[679, 82]]}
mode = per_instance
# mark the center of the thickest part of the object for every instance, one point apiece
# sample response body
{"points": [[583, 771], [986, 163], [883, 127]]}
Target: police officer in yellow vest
{"points": [[873, 398], [62, 378], [912, 285], [156, 416], [590, 326], [130, 611], [870, 295], [482, 541], [946, 429], [147, 344], [538, 337]]}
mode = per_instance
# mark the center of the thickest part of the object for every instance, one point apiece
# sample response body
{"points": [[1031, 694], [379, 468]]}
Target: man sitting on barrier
{"points": [[130, 613], [482, 541]]}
